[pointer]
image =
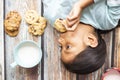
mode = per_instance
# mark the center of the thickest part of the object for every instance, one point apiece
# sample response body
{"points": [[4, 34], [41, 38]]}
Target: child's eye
{"points": [[60, 46], [68, 47]]}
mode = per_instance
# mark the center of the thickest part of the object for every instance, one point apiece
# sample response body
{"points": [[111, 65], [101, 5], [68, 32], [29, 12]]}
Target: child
{"points": [[83, 50]]}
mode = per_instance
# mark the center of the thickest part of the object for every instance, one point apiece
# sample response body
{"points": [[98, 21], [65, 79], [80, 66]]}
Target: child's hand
{"points": [[72, 28], [73, 18]]}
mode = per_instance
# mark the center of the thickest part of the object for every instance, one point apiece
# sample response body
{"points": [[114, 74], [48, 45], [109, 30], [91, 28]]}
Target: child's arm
{"points": [[73, 18]]}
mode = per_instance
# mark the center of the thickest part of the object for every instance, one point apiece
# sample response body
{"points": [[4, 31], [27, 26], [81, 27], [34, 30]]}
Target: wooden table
{"points": [[50, 68]]}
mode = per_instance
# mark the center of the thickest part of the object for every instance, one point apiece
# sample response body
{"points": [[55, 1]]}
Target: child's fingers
{"points": [[72, 22], [73, 27], [72, 16]]}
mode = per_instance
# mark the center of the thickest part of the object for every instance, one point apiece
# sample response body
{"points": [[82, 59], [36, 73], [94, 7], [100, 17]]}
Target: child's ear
{"points": [[92, 40]]}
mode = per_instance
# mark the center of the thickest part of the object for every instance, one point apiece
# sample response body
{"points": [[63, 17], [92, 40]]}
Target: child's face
{"points": [[73, 42]]}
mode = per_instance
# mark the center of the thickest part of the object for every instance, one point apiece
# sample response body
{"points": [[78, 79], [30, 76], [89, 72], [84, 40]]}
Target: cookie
{"points": [[35, 29], [12, 33], [36, 23], [13, 15], [58, 25], [42, 21], [31, 16], [12, 23]]}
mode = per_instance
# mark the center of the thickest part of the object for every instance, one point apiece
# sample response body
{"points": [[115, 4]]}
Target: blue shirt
{"points": [[102, 14]]}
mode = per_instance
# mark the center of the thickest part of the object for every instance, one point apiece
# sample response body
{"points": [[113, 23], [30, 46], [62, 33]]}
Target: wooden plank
{"points": [[19, 73], [98, 74], [109, 43], [53, 68], [1, 41], [117, 48]]}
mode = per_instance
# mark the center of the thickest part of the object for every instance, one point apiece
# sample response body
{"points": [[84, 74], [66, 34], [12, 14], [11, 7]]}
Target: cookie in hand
{"points": [[59, 26]]}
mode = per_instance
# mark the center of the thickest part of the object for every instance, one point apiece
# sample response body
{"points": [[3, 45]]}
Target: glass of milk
{"points": [[27, 54]]}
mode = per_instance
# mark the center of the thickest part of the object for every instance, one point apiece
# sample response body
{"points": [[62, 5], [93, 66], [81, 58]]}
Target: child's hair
{"points": [[89, 60]]}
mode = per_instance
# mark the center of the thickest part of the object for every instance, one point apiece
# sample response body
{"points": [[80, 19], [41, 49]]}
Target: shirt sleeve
{"points": [[113, 11], [95, 1], [112, 3]]}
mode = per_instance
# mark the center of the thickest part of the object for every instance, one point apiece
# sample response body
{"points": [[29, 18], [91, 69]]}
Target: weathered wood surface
{"points": [[117, 48], [50, 68], [19, 73], [1, 41]]}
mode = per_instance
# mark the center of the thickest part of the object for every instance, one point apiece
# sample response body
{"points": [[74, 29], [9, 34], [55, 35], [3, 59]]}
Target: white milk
{"points": [[113, 75], [28, 55]]}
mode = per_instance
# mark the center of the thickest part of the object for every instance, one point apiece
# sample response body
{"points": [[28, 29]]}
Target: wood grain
{"points": [[19, 73], [1, 40], [117, 48]]}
